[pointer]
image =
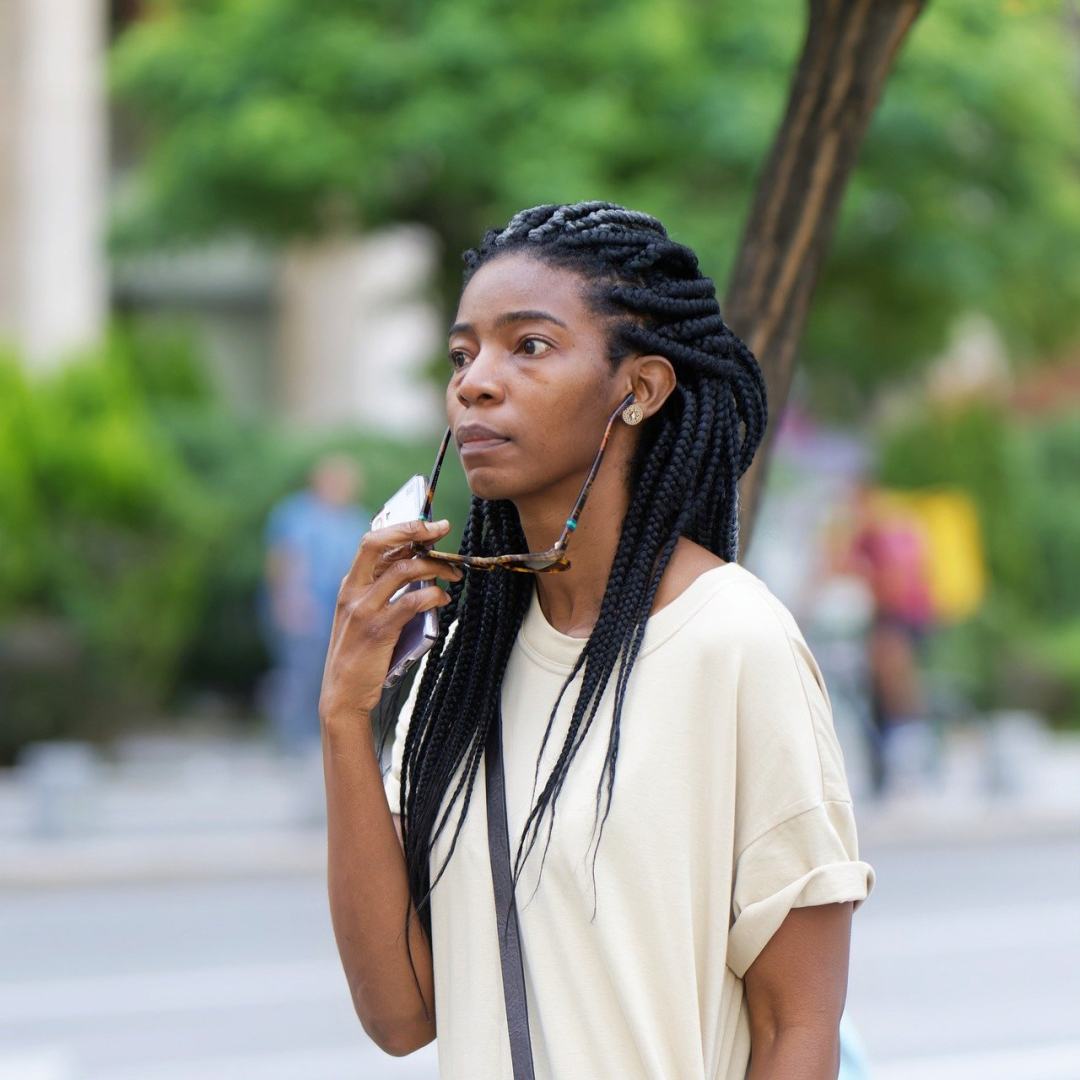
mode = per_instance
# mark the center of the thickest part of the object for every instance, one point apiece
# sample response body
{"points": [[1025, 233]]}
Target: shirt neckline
{"points": [[560, 650]]}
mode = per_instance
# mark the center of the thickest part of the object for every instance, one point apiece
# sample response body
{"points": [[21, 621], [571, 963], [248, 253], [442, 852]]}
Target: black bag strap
{"points": [[513, 972]]}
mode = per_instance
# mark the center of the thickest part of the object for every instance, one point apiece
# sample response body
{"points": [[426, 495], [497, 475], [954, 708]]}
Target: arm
{"points": [[795, 993], [369, 895], [366, 874]]}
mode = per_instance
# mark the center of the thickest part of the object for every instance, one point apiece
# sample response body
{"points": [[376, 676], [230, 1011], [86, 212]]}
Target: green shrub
{"points": [[1024, 476], [105, 537], [132, 509], [250, 465]]}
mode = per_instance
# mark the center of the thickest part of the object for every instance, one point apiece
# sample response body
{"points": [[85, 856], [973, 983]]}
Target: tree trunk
{"points": [[846, 59]]}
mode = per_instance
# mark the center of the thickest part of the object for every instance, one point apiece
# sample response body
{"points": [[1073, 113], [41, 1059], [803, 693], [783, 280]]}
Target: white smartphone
{"points": [[420, 632]]}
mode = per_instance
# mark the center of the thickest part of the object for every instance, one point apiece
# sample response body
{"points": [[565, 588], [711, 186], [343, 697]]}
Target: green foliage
{"points": [[285, 118], [1051, 457], [249, 464], [965, 196], [977, 449], [1025, 479], [132, 507], [105, 538], [282, 117]]}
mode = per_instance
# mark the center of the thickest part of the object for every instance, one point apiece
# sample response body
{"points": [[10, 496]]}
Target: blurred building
{"points": [[324, 333], [53, 168]]}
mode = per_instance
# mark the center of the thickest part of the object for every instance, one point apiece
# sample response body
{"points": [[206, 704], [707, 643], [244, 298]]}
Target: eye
{"points": [[535, 341], [457, 359]]}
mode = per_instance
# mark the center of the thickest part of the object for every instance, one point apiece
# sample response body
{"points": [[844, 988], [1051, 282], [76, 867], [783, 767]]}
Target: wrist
{"points": [[346, 726]]}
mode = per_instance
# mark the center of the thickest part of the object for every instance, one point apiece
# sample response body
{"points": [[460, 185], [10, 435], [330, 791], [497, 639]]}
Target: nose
{"points": [[481, 379]]}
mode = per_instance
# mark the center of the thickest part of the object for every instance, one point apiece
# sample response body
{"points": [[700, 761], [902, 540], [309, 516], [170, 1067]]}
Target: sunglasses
{"points": [[553, 560]]}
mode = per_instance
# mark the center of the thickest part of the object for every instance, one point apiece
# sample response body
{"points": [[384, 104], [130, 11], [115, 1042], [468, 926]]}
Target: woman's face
{"points": [[531, 388]]}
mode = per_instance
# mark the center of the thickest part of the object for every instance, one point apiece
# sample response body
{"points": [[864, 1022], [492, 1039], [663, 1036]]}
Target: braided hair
{"points": [[684, 481]]}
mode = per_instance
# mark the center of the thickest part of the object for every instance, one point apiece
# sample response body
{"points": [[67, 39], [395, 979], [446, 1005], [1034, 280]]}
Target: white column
{"points": [[8, 206], [357, 328], [53, 135]]}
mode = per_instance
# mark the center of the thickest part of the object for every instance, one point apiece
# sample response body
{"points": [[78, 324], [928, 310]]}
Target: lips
{"points": [[474, 437]]}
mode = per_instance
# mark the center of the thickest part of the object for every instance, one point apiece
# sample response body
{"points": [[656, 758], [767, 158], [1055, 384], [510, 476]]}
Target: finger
{"points": [[403, 571], [385, 559], [412, 603], [377, 542], [394, 555], [385, 626]]}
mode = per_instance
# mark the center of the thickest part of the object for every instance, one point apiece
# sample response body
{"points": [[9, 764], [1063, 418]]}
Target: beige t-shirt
{"points": [[730, 808]]}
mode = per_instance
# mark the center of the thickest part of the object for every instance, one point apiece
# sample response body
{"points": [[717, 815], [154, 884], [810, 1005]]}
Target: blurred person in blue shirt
{"points": [[310, 538]]}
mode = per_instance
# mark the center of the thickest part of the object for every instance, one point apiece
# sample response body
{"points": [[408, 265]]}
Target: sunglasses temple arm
{"points": [[572, 520], [425, 513]]}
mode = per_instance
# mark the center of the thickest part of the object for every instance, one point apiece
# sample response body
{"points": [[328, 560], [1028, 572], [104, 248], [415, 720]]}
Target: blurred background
{"points": [[230, 239]]}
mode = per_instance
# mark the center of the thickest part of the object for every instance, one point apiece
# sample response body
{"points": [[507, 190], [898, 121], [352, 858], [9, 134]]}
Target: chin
{"points": [[488, 482], [484, 484]]}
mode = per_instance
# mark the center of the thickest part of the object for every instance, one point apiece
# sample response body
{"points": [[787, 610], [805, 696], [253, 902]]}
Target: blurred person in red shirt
{"points": [[890, 551]]}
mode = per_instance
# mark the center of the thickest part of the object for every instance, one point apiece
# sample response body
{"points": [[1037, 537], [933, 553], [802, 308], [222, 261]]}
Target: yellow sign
{"points": [[949, 520]]}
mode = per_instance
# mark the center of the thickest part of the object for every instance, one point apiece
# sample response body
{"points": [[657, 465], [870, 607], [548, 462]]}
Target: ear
{"points": [[652, 378]]}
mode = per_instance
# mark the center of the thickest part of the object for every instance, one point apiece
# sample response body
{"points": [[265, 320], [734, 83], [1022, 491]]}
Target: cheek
{"points": [[561, 419]]}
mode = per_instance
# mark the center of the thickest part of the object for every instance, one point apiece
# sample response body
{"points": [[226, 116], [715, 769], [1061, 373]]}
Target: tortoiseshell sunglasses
{"points": [[553, 560]]}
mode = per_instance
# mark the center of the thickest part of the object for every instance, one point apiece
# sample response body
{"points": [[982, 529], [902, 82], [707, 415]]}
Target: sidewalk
{"points": [[1007, 781], [172, 809], [161, 808]]}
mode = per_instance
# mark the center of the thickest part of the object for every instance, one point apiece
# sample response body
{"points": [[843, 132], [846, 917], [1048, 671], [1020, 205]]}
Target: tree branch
{"points": [[847, 56]]}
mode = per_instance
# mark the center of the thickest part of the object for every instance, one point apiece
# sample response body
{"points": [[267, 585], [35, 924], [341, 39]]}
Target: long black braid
{"points": [[684, 478]]}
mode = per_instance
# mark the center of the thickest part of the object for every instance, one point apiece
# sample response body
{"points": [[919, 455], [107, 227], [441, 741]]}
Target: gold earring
{"points": [[633, 414]]}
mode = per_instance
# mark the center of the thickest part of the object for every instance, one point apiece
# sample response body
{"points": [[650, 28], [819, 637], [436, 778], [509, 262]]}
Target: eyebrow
{"points": [[506, 318]]}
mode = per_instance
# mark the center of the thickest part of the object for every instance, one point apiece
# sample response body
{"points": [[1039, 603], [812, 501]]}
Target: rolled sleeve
{"points": [[812, 858], [795, 841]]}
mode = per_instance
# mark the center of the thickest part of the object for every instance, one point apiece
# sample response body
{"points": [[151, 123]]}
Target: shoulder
{"points": [[734, 608], [688, 562]]}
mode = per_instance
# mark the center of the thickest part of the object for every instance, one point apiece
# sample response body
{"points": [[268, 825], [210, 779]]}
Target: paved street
{"points": [[965, 964], [175, 981]]}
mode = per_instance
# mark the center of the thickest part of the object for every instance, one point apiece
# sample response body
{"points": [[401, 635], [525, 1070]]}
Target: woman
{"points": [[707, 934]]}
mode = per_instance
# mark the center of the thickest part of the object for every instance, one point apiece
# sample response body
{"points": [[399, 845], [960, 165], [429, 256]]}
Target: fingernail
{"points": [[443, 524]]}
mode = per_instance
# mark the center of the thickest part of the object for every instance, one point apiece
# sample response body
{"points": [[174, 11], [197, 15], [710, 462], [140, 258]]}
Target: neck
{"points": [[571, 600]]}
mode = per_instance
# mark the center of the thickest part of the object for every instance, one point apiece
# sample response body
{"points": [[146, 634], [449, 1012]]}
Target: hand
{"points": [[367, 625]]}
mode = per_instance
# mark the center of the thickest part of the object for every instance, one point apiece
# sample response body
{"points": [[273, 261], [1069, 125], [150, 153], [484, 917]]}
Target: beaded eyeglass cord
{"points": [[553, 560]]}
